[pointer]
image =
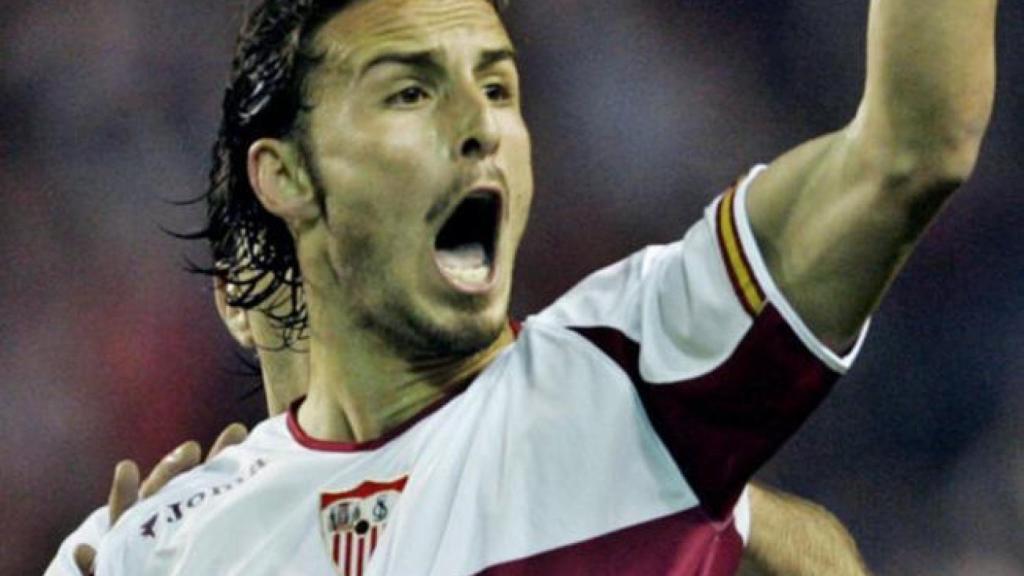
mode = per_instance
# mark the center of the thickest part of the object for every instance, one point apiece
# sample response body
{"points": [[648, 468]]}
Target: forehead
{"points": [[367, 27]]}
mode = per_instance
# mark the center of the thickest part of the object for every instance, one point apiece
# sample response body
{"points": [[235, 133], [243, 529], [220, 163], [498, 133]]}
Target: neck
{"points": [[360, 390], [284, 374]]}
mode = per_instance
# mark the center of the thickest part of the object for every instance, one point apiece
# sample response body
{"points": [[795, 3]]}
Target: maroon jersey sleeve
{"points": [[724, 368]]}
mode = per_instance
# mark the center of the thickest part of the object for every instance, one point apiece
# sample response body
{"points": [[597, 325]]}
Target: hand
{"points": [[126, 490]]}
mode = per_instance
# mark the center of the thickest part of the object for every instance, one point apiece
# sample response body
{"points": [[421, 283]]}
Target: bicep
{"points": [[833, 226]]}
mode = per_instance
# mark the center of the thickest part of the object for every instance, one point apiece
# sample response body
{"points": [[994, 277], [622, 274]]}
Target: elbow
{"points": [[921, 157], [924, 147], [925, 173], [948, 160]]}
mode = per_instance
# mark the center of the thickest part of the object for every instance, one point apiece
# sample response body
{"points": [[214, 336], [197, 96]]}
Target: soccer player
{"points": [[372, 158]]}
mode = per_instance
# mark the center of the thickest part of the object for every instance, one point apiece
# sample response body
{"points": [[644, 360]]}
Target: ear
{"points": [[236, 319], [280, 180]]}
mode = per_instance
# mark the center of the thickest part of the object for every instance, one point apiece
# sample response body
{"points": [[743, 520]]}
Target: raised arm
{"points": [[837, 217]]}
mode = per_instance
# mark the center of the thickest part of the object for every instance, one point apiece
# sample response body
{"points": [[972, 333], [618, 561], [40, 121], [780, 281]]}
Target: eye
{"points": [[496, 92], [408, 97]]}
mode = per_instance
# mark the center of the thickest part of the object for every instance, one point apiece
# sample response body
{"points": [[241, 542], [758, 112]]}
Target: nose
{"points": [[474, 147], [479, 137]]}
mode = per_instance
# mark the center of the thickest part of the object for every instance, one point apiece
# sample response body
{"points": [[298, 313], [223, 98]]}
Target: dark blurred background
{"points": [[641, 111]]}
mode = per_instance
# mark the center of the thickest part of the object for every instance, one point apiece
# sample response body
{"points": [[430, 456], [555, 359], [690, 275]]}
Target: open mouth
{"points": [[464, 247]]}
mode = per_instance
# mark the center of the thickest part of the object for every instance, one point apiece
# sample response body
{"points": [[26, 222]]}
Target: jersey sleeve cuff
{"points": [[760, 282]]}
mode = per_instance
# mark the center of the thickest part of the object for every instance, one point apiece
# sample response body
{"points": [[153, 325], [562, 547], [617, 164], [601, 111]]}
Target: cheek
{"points": [[379, 146], [516, 147], [403, 139], [353, 226], [519, 171], [375, 182]]}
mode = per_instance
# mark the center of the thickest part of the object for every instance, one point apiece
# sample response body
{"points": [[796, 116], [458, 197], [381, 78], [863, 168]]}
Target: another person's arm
{"points": [[790, 536], [78, 551], [837, 217]]}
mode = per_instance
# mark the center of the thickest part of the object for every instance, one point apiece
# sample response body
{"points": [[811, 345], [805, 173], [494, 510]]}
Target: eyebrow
{"points": [[491, 57], [430, 60]]}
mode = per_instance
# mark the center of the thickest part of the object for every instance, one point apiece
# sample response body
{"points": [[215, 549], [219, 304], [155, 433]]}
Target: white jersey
{"points": [[615, 436]]}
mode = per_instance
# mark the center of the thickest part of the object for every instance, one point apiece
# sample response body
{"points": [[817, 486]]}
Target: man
{"points": [[373, 158], [788, 535]]}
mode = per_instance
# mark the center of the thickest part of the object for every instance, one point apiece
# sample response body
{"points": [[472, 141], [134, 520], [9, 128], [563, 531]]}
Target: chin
{"points": [[419, 335], [469, 332], [471, 339]]}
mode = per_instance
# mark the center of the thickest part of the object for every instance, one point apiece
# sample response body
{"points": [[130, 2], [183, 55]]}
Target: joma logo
{"points": [[175, 511]]}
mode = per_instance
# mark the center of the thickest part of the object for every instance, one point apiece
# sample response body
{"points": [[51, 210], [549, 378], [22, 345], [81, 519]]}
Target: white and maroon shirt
{"points": [[614, 437]]}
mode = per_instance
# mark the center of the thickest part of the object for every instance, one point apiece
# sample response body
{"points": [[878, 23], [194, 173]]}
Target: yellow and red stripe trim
{"points": [[744, 282]]}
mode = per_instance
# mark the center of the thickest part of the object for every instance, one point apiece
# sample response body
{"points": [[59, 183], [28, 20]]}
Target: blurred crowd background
{"points": [[641, 111]]}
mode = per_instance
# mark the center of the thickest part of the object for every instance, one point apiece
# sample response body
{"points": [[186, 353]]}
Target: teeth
{"points": [[466, 263], [476, 275]]}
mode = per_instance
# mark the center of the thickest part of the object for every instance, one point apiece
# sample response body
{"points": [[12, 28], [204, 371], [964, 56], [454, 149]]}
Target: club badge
{"points": [[352, 522]]}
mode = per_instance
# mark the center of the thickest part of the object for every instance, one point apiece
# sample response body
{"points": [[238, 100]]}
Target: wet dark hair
{"points": [[252, 250]]}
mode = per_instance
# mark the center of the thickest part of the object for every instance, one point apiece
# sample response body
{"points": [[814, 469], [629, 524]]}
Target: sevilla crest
{"points": [[353, 521]]}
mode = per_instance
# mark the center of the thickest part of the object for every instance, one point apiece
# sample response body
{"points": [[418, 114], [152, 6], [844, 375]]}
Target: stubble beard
{"points": [[412, 336]]}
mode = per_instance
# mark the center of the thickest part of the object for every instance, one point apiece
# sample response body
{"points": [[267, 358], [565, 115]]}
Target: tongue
{"points": [[463, 256], [465, 262]]}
